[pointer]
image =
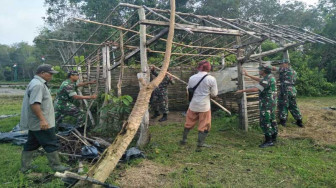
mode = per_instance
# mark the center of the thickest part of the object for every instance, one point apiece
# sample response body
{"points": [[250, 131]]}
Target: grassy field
{"points": [[298, 159], [10, 175]]}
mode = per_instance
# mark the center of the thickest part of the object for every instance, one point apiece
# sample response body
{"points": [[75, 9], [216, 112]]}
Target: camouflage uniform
{"points": [[64, 103], [287, 96], [159, 100], [267, 105]]}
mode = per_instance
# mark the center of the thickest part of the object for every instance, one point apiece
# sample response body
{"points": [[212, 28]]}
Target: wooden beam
{"points": [[75, 42], [165, 11], [149, 42], [197, 28], [234, 26], [183, 54], [270, 52]]}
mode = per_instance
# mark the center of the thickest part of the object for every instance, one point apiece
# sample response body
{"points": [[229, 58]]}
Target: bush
{"points": [[311, 81]]}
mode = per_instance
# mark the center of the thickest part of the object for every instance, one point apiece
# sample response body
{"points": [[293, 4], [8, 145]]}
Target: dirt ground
{"points": [[173, 117], [146, 174], [320, 124]]}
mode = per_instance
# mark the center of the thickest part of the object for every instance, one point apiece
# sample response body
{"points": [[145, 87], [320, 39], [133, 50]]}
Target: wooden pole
{"points": [[122, 59], [107, 77], [270, 52], [68, 174], [144, 75], [84, 100], [242, 103]]}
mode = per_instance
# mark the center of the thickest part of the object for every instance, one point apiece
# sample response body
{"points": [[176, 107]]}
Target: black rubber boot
{"points": [[282, 122], [184, 137], [164, 118], [156, 114], [201, 140], [268, 142], [26, 159], [299, 123], [274, 137], [55, 162]]}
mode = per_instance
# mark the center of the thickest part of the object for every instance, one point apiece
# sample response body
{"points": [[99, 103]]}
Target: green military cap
{"points": [[285, 61], [266, 68]]}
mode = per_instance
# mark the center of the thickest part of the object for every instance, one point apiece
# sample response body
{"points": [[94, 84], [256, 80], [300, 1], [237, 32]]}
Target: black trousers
{"points": [[45, 138]]}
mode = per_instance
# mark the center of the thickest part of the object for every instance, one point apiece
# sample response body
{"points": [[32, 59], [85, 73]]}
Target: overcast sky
{"points": [[21, 20]]}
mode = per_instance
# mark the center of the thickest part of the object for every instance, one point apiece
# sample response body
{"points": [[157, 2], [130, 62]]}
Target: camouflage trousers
{"points": [[288, 102], [268, 122], [159, 103], [69, 109]]}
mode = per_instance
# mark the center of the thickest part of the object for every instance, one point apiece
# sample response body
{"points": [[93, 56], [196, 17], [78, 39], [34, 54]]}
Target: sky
{"points": [[21, 20]]}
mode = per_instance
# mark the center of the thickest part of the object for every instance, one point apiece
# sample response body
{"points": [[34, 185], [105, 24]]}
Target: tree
{"points": [[102, 169]]}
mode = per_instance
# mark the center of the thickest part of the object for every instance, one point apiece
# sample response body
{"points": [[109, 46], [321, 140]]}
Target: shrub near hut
{"points": [[116, 110]]}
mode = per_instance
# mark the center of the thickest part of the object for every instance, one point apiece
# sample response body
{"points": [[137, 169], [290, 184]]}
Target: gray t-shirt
{"points": [[36, 92]]}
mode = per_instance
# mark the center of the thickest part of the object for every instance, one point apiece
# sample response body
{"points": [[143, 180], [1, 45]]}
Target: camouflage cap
{"points": [[266, 68], [284, 61], [72, 72]]}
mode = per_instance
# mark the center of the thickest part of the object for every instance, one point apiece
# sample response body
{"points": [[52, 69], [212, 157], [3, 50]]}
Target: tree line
{"points": [[315, 63]]}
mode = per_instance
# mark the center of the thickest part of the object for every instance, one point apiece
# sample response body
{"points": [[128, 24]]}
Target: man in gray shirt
{"points": [[38, 116]]}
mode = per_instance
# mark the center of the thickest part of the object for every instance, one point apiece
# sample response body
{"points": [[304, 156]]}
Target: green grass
{"points": [[234, 160], [10, 175]]}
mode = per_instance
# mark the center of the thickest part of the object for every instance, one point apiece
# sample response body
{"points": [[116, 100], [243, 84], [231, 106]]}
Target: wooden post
{"points": [[122, 59], [107, 77], [223, 61], [79, 68], [242, 103], [144, 132], [260, 58]]}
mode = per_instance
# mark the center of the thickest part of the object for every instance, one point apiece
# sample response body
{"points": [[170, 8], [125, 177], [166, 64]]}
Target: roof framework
{"points": [[217, 36]]}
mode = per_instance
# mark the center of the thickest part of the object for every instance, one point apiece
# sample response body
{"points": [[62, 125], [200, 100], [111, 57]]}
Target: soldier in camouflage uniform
{"points": [[267, 103], [159, 100], [287, 95], [65, 97]]}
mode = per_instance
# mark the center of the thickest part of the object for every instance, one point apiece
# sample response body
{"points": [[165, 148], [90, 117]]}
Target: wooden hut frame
{"points": [[248, 38], [240, 37]]}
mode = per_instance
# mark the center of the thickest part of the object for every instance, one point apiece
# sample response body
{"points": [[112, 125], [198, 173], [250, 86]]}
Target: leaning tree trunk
{"points": [[109, 159]]}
